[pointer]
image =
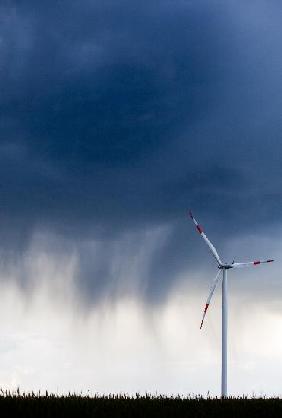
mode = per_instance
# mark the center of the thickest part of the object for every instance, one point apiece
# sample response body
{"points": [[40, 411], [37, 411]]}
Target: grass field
{"points": [[31, 405]]}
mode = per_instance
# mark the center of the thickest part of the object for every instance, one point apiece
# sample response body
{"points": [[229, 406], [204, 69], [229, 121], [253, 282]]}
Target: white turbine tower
{"points": [[223, 267]]}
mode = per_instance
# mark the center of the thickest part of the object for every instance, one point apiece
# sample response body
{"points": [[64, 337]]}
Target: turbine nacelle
{"points": [[225, 266]]}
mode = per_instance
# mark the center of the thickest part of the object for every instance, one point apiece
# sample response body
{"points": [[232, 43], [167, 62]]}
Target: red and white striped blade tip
{"points": [[259, 262], [205, 311]]}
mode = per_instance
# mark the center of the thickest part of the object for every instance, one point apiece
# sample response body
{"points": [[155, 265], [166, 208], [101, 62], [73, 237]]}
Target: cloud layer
{"points": [[116, 118]]}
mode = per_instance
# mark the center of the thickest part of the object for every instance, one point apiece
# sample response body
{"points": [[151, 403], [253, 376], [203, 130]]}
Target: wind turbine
{"points": [[223, 267]]}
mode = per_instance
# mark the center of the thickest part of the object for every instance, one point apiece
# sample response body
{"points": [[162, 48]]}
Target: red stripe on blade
{"points": [[205, 311], [269, 261], [256, 262], [199, 228]]}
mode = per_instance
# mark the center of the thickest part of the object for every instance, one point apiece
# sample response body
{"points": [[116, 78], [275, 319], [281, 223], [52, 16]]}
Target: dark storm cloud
{"points": [[144, 77], [116, 116]]}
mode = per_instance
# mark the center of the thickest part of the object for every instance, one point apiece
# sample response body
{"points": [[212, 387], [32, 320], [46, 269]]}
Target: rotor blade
{"points": [[201, 232], [251, 263], [213, 287]]}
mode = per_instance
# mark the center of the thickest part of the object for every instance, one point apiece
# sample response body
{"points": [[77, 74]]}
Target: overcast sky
{"points": [[116, 118]]}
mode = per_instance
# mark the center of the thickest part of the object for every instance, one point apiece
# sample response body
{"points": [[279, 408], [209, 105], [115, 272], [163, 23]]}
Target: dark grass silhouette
{"points": [[123, 406]]}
